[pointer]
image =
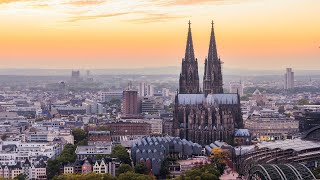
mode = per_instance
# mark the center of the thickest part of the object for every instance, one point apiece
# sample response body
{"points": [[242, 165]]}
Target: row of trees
{"points": [[125, 176], [206, 172], [140, 168]]}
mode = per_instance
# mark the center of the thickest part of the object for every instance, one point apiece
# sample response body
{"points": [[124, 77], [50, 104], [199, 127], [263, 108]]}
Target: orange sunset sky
{"points": [[251, 34]]}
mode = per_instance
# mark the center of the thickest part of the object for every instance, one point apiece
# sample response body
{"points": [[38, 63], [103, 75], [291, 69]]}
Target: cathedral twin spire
{"points": [[189, 56], [212, 79], [189, 78]]}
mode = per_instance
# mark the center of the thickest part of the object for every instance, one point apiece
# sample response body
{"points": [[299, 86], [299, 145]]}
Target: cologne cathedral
{"points": [[204, 116]]}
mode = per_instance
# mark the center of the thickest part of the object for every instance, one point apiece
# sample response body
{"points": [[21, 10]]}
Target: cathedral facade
{"points": [[209, 115]]}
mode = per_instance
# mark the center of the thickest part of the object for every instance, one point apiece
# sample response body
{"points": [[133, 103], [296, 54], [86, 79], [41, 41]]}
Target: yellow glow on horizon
{"points": [[143, 33]]}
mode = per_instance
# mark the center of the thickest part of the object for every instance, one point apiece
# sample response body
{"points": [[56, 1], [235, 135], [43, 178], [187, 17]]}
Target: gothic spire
{"points": [[213, 55], [189, 56], [207, 73], [189, 78], [213, 67]]}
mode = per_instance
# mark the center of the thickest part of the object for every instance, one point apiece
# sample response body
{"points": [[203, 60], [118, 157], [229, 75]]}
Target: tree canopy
{"points": [[218, 158], [303, 102], [123, 169], [67, 155], [124, 176], [140, 168], [79, 135], [206, 172], [53, 167], [121, 153], [135, 176], [89, 176], [21, 177]]}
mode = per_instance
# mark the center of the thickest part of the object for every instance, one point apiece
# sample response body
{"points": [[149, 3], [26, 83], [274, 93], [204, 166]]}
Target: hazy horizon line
{"points": [[152, 67]]}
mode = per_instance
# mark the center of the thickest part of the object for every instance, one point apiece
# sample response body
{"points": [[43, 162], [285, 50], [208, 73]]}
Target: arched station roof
{"points": [[280, 172]]}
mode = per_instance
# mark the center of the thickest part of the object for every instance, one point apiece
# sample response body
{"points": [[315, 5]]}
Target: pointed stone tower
{"points": [[212, 79], [189, 77]]}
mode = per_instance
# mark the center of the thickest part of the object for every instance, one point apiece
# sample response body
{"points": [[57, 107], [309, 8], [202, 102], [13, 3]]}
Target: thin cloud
{"points": [[40, 5], [12, 1], [151, 18], [86, 2], [90, 17], [191, 2]]}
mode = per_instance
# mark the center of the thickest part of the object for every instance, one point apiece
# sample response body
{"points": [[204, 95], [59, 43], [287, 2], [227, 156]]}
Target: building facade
{"points": [[203, 117], [130, 103], [308, 119], [152, 105], [289, 79], [267, 129], [99, 137], [108, 96]]}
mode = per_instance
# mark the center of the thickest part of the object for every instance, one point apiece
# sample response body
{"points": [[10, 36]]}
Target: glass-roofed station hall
{"points": [[283, 159]]}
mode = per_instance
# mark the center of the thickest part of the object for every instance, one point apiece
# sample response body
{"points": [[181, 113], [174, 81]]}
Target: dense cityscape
{"points": [[87, 126], [159, 90]]}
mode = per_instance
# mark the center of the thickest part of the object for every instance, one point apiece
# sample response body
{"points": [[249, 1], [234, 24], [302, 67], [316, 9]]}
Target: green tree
{"points": [[121, 153], [206, 172], [140, 168], [68, 154], [79, 135], [218, 159], [21, 177], [103, 128], [303, 102], [123, 169], [53, 167], [134, 176], [83, 143], [89, 176], [164, 171]]}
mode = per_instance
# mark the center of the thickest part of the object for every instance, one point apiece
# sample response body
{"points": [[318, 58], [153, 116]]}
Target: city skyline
{"points": [[102, 34]]}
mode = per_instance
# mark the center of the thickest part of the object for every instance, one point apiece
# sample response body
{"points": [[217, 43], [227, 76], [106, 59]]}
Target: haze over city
{"points": [[159, 89], [91, 34]]}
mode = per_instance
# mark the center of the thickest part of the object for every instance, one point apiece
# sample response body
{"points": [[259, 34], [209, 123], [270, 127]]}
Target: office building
{"points": [[75, 76], [107, 96], [142, 89], [130, 103], [152, 105], [289, 79]]}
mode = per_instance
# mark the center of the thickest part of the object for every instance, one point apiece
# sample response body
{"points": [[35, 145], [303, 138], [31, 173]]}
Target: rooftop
{"points": [[294, 144], [94, 149]]}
